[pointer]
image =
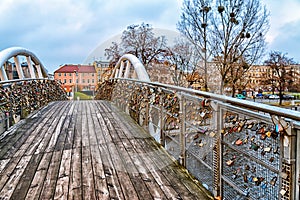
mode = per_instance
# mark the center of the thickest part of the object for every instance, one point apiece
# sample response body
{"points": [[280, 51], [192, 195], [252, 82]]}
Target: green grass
{"points": [[82, 96]]}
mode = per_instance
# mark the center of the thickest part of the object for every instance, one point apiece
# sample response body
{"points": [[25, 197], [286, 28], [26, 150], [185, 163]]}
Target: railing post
{"points": [[296, 191], [147, 104], [161, 121], [217, 151], [182, 140], [288, 164]]}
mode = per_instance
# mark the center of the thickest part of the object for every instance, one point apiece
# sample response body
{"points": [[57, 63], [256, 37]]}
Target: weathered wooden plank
{"points": [[60, 127], [75, 187], [24, 183], [78, 126], [103, 139], [84, 126], [17, 137], [60, 144], [128, 175], [3, 164], [88, 185], [39, 178], [43, 141], [155, 170], [91, 120], [105, 136], [62, 184], [9, 187], [8, 171], [37, 132], [48, 189], [137, 158], [162, 161], [101, 189], [112, 180], [125, 166]]}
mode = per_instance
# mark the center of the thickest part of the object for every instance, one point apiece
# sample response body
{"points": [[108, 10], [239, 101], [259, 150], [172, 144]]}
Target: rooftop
{"points": [[79, 68]]}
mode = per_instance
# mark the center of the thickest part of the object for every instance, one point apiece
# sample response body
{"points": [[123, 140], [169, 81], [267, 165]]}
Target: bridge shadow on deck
{"points": [[88, 150]]}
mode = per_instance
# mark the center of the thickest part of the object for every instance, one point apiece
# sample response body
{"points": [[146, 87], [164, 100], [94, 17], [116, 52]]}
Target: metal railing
{"points": [[18, 98], [237, 149]]}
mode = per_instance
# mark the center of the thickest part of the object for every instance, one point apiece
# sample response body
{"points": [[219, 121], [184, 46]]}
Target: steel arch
{"points": [[14, 52], [139, 72]]}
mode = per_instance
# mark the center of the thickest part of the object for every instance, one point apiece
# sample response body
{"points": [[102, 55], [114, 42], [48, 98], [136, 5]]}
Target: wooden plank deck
{"points": [[88, 150]]}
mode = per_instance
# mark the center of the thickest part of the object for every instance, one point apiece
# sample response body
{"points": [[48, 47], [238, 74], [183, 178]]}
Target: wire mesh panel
{"points": [[251, 152], [200, 170]]}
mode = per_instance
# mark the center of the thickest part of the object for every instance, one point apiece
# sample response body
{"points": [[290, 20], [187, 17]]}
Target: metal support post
{"points": [[182, 158], [161, 122]]}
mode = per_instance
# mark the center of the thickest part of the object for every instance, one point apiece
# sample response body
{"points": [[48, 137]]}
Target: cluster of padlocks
{"points": [[224, 146], [18, 99], [252, 152], [104, 90]]}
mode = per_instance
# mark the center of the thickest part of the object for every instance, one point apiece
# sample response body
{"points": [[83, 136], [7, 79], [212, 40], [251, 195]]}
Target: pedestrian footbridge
{"points": [[141, 140]]}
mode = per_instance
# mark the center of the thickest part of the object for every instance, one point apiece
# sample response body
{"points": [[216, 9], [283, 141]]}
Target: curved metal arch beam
{"points": [[136, 63], [8, 53]]}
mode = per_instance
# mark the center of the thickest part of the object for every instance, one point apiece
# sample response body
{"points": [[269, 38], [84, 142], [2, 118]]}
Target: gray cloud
{"points": [[67, 31], [60, 32]]}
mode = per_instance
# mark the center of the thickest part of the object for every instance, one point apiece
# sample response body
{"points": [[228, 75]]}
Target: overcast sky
{"points": [[66, 31]]}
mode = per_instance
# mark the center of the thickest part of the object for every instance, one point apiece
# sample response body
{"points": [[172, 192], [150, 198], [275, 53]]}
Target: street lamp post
{"points": [[75, 75]]}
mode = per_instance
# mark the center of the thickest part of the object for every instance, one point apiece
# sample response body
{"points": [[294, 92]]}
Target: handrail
{"points": [[247, 104], [24, 79]]}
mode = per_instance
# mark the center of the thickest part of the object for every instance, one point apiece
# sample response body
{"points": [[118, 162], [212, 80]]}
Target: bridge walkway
{"points": [[88, 150]]}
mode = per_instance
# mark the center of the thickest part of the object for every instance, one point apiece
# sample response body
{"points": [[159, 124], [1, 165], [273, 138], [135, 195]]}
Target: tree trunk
{"points": [[222, 87], [280, 94], [233, 90]]}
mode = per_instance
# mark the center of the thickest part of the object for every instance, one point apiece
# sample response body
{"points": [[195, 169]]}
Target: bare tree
{"points": [[236, 78], [228, 30], [113, 53], [194, 25], [140, 41], [238, 32], [280, 66], [183, 60]]}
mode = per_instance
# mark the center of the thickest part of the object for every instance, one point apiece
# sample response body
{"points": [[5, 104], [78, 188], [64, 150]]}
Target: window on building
{"points": [[59, 74], [70, 80], [65, 80], [88, 81], [65, 74], [83, 81], [70, 74], [93, 81]]}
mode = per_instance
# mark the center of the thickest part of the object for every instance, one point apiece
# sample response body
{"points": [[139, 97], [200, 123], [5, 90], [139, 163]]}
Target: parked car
{"points": [[240, 96], [273, 96], [266, 96], [288, 97], [259, 95]]}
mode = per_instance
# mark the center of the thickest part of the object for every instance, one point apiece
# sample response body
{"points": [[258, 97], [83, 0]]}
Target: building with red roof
{"points": [[76, 77]]}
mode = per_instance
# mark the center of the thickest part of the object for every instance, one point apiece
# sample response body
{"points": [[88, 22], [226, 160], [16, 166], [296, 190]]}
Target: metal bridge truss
{"points": [[32, 68], [24, 87], [130, 66]]}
